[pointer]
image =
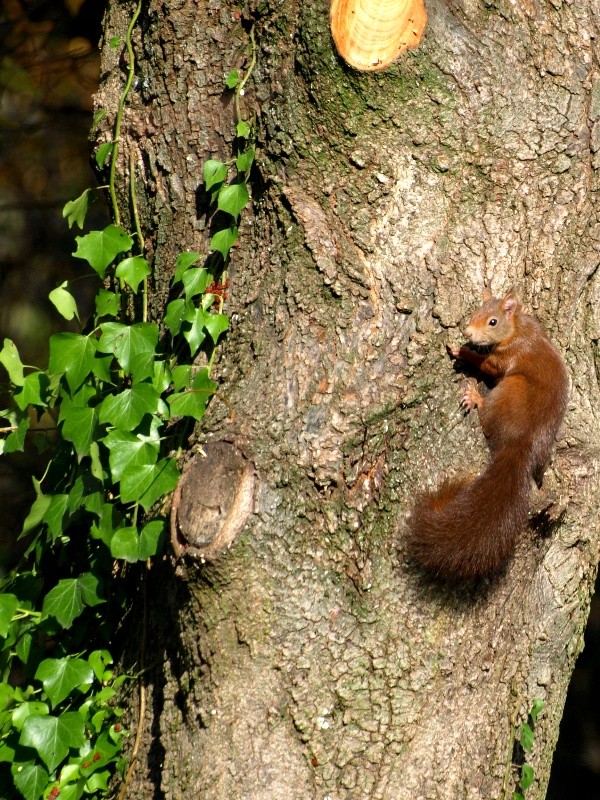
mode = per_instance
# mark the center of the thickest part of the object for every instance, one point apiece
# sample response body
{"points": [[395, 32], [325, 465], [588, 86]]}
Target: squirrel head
{"points": [[494, 321]]}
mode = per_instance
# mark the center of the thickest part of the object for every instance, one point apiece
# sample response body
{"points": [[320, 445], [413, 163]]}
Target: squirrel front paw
{"points": [[453, 350], [472, 399]]}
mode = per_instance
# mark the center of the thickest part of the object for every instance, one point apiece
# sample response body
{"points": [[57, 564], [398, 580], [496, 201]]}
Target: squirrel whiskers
{"points": [[467, 528]]}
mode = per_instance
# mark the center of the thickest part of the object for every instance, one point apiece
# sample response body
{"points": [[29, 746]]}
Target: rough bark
{"points": [[311, 659]]}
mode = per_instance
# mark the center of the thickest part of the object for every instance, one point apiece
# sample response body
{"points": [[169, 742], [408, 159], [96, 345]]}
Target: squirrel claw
{"points": [[471, 399], [453, 350]]}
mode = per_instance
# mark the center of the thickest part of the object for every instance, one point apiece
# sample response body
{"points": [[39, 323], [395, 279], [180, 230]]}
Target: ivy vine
{"points": [[108, 407]]}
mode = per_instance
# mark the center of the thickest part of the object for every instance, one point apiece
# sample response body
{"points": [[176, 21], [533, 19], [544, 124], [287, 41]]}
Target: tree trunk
{"points": [[310, 658]]}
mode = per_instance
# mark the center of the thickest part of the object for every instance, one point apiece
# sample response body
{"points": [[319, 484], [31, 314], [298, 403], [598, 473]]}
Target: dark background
{"points": [[48, 73]]}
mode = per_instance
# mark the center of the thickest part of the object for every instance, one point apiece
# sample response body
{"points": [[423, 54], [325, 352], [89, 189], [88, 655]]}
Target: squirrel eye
{"points": [[492, 322]]}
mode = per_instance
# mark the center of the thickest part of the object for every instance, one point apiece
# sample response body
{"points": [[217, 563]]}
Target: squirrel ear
{"points": [[510, 303], [487, 295]]}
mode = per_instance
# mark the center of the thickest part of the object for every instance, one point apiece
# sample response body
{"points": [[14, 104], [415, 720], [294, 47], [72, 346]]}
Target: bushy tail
{"points": [[468, 527]]}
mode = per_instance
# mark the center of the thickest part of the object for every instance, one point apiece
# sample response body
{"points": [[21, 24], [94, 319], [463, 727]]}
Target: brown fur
{"points": [[468, 528]]}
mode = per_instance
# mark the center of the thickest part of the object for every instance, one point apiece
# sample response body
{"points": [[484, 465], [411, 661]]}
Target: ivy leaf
{"points": [[195, 281], [127, 450], [245, 160], [147, 483], [37, 510], [192, 402], [15, 440], [535, 709], [79, 421], [73, 355], [216, 324], [100, 248], [8, 606], [179, 311], [30, 779], [59, 676], [242, 129], [76, 210], [25, 710], [133, 271], [224, 240], [183, 262], [182, 376], [527, 776], [102, 154], [64, 602], [527, 737], [232, 79], [34, 386], [91, 589], [52, 737], [55, 513], [196, 334], [214, 172], [64, 302], [108, 304], [133, 345], [126, 409], [132, 546], [233, 198], [9, 358]]}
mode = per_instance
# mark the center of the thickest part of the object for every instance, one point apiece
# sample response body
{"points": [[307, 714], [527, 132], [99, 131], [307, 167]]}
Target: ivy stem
{"points": [[138, 231], [240, 87], [119, 117]]}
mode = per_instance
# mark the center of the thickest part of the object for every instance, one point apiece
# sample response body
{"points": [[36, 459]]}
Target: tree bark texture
{"points": [[309, 659]]}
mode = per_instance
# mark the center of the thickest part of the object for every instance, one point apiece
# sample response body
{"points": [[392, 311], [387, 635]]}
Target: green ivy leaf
{"points": [[25, 710], [15, 440], [233, 198], [151, 539], [127, 450], [245, 160], [98, 661], [192, 402], [108, 304], [214, 172], [195, 281], [133, 271], [64, 602], [102, 154], [53, 737], [78, 420], [216, 324], [73, 355], [183, 262], [126, 409], [33, 390], [182, 375], [9, 358], [55, 513], [224, 240], [30, 779], [178, 311], [59, 676], [527, 737], [147, 483], [527, 776], [37, 511], [91, 589], [232, 79], [535, 709], [242, 129], [76, 210], [100, 248], [64, 302], [134, 346], [197, 332], [8, 606]]}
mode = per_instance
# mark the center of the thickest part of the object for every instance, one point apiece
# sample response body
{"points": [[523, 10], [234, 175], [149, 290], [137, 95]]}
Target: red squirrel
{"points": [[468, 527]]}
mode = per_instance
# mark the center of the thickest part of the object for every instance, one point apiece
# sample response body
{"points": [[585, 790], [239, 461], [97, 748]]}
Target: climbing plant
{"points": [[108, 415]]}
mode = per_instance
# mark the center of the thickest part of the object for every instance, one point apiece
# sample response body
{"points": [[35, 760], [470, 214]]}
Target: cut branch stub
{"points": [[370, 34], [212, 502]]}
